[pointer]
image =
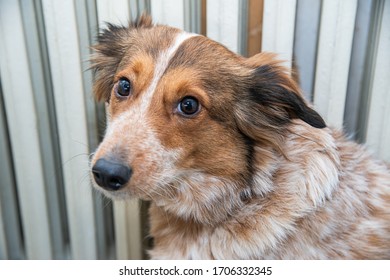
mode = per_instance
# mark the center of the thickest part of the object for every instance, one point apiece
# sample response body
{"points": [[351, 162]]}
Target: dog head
{"points": [[184, 114]]}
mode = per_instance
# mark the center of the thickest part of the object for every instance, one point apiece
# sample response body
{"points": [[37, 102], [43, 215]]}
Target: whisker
{"points": [[81, 143], [73, 157], [83, 178]]}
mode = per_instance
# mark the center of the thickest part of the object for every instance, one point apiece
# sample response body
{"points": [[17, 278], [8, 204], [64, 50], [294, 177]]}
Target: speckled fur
{"points": [[255, 174]]}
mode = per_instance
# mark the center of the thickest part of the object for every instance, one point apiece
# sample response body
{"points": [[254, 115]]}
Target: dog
{"points": [[236, 164]]}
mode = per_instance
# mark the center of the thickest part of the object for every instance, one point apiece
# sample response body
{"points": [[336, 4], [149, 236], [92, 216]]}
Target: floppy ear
{"points": [[109, 51], [271, 100]]}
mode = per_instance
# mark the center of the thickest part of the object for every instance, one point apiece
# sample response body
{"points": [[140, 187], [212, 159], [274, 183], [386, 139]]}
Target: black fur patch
{"points": [[268, 90]]}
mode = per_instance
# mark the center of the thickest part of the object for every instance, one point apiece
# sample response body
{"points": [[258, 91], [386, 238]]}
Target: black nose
{"points": [[111, 175]]}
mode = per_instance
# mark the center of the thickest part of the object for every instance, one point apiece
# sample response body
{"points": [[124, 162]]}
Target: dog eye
{"points": [[123, 88], [188, 106]]}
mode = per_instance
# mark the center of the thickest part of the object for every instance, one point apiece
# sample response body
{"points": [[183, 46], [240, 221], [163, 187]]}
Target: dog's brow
{"points": [[161, 66]]}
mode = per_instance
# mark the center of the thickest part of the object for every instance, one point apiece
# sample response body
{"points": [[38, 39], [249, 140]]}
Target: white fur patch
{"points": [[146, 97], [161, 66]]}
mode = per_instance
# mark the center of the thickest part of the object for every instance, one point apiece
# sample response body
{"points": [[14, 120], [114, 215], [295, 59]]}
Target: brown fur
{"points": [[256, 174]]}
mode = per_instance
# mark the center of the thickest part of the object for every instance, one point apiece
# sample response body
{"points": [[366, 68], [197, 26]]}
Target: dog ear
{"points": [[271, 100], [113, 42]]}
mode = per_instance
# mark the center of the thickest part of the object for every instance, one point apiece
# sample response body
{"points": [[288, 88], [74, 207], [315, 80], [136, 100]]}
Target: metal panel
{"points": [[243, 27], [138, 7], [369, 68], [42, 89], [305, 43], [278, 28], [192, 16], [3, 242], [11, 246], [357, 68], [23, 127], [378, 125], [170, 12], [223, 22], [113, 12], [87, 30], [128, 229], [65, 62], [134, 9], [334, 53]]}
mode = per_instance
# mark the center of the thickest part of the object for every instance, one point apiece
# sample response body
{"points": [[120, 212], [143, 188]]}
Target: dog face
{"points": [[183, 116]]}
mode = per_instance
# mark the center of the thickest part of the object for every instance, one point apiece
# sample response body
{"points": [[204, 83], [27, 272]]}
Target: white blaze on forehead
{"points": [[161, 66], [146, 96]]}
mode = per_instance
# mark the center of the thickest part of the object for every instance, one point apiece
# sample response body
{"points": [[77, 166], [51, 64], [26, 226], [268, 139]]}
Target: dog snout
{"points": [[111, 175]]}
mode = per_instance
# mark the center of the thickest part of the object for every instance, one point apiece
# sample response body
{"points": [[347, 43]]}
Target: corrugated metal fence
{"points": [[49, 123]]}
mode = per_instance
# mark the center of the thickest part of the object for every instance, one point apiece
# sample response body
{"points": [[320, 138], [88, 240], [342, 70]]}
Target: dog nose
{"points": [[111, 175]]}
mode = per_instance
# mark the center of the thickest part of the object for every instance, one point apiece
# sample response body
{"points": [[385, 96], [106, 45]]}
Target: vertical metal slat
{"points": [[357, 69], [305, 43], [65, 62], [23, 125], [113, 12], [170, 12], [333, 58], [376, 16], [278, 28], [11, 243], [378, 128], [192, 16], [223, 22], [42, 88]]}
